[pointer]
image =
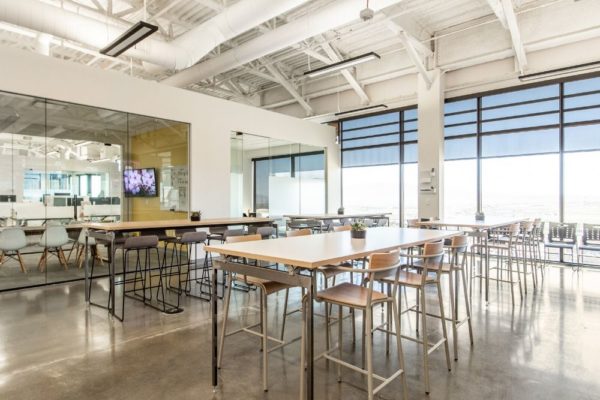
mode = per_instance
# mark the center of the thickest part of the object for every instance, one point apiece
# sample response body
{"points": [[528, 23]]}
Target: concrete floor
{"points": [[53, 346]]}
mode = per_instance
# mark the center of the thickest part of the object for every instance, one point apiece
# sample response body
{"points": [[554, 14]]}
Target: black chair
{"points": [[561, 236], [590, 240]]}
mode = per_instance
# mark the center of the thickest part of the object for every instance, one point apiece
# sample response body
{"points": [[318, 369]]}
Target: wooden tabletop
{"points": [[174, 224], [313, 251], [468, 222], [336, 216]]}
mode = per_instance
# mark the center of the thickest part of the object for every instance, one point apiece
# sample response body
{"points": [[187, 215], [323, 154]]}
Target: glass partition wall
{"points": [[65, 163], [273, 177]]}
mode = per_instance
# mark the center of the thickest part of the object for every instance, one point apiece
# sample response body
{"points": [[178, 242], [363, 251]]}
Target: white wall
{"points": [[212, 120]]}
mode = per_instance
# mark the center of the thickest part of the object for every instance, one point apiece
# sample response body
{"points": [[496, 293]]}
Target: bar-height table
{"points": [[107, 231], [482, 227], [302, 256]]}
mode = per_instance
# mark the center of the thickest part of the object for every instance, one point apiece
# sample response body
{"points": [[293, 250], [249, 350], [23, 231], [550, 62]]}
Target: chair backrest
{"points": [[384, 260], [459, 244], [433, 256], [81, 238], [345, 221], [232, 232], [591, 234], [299, 232], [368, 222], [342, 228], [538, 230], [527, 227], [246, 238], [412, 223], [265, 232], [562, 232], [12, 239], [382, 222], [54, 236], [140, 242], [194, 237]]}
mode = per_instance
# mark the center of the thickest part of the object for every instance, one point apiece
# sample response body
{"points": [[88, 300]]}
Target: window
{"points": [[515, 141], [378, 153]]}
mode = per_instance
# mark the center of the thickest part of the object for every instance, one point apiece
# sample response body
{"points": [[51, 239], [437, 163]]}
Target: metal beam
{"points": [[164, 9], [354, 83], [98, 5], [283, 81], [424, 50], [211, 4], [411, 51], [506, 15]]}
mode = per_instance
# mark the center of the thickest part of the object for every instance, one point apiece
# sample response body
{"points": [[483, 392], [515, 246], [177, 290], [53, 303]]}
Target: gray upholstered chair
{"points": [[12, 241], [53, 239]]}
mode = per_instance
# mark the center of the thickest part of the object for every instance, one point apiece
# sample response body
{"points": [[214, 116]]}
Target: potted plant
{"points": [[359, 230], [196, 216]]}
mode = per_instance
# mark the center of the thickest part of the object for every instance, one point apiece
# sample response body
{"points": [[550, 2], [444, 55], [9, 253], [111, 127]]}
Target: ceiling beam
{"points": [[98, 5], [283, 81], [211, 4], [354, 83], [411, 50], [170, 5], [506, 15]]}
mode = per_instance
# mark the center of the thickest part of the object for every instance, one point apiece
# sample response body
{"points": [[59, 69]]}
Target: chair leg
{"points": [[62, 258], [369, 351], [21, 263], [285, 307], [512, 282], [518, 272], [425, 343], [467, 306], [340, 335], [302, 350], [225, 316], [396, 316], [265, 351], [443, 319], [453, 314]]}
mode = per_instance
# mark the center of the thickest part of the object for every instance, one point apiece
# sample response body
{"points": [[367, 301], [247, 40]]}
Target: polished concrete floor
{"points": [[53, 346]]}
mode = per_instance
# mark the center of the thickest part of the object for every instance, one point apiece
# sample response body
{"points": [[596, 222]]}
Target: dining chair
{"points": [[267, 288], [12, 241], [561, 236], [590, 240], [430, 263], [53, 239], [365, 298], [298, 232], [80, 249]]}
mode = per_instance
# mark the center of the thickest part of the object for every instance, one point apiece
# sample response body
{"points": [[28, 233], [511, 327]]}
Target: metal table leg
{"points": [[487, 267], [310, 375], [215, 345], [86, 271]]}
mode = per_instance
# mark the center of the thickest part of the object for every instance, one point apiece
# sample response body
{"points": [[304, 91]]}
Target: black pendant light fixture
{"points": [[129, 38]]}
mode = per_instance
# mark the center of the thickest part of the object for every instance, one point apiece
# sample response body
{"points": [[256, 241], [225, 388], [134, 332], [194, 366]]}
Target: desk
{"points": [[107, 231], [303, 255], [478, 226]]}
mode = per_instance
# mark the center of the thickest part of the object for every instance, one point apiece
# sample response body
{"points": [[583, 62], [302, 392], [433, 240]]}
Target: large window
{"points": [[379, 164], [512, 147]]}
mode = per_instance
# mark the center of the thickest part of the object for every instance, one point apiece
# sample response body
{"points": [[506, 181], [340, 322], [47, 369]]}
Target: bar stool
{"points": [[506, 250], [538, 240], [266, 288], [431, 261], [190, 239], [525, 239], [365, 298]]}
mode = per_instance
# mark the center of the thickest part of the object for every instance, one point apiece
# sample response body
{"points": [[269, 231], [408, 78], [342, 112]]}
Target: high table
{"points": [[107, 231], [302, 256], [482, 227], [331, 217]]}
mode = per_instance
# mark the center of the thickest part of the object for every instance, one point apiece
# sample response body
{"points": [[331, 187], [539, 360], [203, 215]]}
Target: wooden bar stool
{"points": [[430, 269], [266, 288], [363, 298]]}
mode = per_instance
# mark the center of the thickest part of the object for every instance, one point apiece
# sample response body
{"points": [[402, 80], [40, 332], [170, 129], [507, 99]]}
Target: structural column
{"points": [[431, 145]]}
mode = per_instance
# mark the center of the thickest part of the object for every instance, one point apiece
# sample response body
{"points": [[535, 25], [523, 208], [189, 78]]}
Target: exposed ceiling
{"points": [[411, 29]]}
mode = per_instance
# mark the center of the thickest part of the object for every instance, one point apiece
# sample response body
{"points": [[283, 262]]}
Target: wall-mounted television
{"points": [[140, 182]]}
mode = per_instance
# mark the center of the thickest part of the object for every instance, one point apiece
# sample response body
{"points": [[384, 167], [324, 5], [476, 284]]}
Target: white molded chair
{"points": [[12, 241], [52, 240]]}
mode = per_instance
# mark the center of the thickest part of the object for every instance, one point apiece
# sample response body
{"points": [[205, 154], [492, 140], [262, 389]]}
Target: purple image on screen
{"points": [[139, 182]]}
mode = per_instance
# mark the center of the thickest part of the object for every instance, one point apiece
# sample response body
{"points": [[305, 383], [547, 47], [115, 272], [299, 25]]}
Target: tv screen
{"points": [[140, 182]]}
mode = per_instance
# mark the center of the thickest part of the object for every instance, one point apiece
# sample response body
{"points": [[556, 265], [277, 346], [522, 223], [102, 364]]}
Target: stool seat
{"points": [[140, 242]]}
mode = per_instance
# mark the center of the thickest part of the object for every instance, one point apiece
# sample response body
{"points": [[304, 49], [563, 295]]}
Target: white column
{"points": [[431, 146]]}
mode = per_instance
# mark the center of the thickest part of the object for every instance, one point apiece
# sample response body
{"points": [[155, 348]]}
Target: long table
{"points": [[329, 217], [480, 226], [107, 232], [303, 255]]}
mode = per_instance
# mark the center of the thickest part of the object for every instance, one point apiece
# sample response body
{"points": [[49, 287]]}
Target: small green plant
{"points": [[359, 226]]}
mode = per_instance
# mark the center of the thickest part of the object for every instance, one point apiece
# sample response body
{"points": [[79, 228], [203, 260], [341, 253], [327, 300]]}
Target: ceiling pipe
{"points": [[181, 53], [336, 14]]}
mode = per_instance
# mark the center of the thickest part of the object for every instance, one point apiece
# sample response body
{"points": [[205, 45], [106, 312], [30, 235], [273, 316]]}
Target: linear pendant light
{"points": [[130, 38], [327, 69], [560, 71], [370, 108]]}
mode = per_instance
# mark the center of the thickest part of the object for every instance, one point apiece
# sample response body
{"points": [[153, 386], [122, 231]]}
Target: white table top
{"points": [[174, 224], [313, 251], [336, 216], [468, 222]]}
